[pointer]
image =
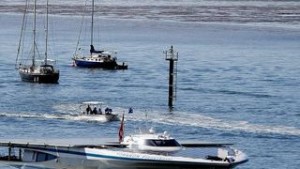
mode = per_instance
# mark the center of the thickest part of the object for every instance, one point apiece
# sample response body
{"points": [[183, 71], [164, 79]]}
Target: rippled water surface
{"points": [[263, 12]]}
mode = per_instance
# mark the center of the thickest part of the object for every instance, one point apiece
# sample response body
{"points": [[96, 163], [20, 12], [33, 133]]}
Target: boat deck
{"points": [[202, 150]]}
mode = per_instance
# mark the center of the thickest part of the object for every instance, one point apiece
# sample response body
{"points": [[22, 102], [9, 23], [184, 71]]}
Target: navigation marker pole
{"points": [[172, 57]]}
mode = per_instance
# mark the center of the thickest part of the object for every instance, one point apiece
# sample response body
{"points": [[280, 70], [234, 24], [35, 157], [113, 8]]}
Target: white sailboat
{"points": [[38, 71], [97, 58]]}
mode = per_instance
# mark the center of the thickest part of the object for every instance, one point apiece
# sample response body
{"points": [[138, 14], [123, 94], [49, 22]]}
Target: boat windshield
{"points": [[162, 143]]}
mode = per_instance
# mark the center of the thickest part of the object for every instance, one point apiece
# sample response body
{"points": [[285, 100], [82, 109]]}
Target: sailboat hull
{"points": [[98, 64], [39, 77]]}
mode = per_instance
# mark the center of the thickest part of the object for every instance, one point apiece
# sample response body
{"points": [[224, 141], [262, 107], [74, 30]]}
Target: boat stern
{"points": [[232, 156]]}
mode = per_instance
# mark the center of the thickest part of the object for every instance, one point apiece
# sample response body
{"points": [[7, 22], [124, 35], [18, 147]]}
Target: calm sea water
{"points": [[236, 83]]}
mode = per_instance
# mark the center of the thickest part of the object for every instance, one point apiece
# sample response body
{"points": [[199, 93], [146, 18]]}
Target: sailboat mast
{"points": [[92, 26], [21, 34], [34, 33], [47, 23]]}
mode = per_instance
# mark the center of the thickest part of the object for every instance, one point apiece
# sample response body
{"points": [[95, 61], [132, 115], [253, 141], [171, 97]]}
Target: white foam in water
{"points": [[19, 115], [199, 120], [42, 116], [71, 112], [67, 108]]}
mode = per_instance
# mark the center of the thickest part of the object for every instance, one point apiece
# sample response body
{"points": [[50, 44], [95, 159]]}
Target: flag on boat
{"points": [[121, 130]]}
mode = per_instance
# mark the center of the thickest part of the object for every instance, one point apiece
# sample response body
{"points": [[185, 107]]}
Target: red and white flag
{"points": [[121, 130]]}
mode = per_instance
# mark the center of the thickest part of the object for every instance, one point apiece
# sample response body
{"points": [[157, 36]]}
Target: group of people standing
{"points": [[94, 111]]}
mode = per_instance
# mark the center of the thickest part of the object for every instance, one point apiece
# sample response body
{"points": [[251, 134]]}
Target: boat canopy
{"points": [[93, 103]]}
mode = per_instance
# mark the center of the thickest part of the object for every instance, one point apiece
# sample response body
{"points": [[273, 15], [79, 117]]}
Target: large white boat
{"points": [[142, 151], [107, 155]]}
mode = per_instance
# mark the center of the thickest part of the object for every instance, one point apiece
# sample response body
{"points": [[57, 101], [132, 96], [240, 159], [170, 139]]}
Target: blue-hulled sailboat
{"points": [[97, 58]]}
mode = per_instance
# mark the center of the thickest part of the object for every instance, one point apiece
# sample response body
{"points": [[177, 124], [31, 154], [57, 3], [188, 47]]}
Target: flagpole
{"points": [[121, 130]]}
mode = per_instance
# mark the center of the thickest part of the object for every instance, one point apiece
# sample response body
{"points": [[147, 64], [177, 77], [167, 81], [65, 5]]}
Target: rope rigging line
{"points": [[80, 31], [21, 33]]}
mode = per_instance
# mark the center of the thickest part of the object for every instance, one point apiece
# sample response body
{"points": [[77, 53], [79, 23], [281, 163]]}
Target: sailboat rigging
{"points": [[39, 71], [97, 58]]}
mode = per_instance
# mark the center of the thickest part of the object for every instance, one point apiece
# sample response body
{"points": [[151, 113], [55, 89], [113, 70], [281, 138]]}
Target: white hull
{"points": [[96, 158], [98, 117]]}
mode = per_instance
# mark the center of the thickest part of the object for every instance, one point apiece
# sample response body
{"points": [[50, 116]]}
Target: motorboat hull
{"points": [[99, 117], [112, 117]]}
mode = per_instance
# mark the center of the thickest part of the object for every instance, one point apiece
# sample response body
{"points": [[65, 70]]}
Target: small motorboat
{"points": [[93, 110]]}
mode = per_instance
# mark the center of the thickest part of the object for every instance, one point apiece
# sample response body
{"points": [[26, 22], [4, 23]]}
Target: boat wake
{"points": [[70, 112], [71, 117], [198, 120]]}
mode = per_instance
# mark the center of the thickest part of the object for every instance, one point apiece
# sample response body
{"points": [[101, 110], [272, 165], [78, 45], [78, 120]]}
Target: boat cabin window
{"points": [[162, 143], [44, 157], [31, 156]]}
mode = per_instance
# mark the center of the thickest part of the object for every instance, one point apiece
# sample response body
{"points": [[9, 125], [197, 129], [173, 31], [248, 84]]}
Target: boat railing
{"points": [[10, 154]]}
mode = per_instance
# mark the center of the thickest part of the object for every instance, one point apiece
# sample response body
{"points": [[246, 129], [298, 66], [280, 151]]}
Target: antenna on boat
{"points": [[172, 57], [34, 34], [80, 31], [47, 25], [21, 34], [92, 26]]}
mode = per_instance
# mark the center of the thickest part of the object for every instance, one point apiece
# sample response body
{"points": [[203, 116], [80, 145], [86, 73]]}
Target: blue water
{"points": [[236, 83]]}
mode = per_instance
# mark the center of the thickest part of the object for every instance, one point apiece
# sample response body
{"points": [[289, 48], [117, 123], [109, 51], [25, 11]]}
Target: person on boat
{"points": [[100, 111], [130, 110], [92, 50], [108, 110], [88, 109], [95, 110]]}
